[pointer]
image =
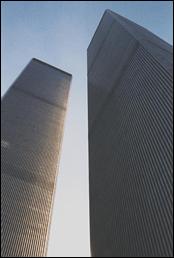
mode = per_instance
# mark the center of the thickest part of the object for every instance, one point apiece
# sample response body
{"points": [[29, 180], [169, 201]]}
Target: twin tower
{"points": [[130, 109]]}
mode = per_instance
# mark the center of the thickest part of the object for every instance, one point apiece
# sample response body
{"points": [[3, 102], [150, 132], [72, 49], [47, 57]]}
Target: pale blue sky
{"points": [[59, 33]]}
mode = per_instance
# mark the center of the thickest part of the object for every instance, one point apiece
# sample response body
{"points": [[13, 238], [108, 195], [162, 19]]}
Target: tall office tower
{"points": [[32, 119], [130, 141]]}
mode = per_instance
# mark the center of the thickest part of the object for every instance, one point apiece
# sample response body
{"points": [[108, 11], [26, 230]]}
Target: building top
{"points": [[158, 48], [45, 82], [51, 66]]}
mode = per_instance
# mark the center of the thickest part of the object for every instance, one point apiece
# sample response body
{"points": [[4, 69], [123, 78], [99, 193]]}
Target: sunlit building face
{"points": [[33, 114]]}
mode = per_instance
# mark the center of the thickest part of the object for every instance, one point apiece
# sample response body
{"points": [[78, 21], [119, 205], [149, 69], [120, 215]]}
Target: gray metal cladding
{"points": [[32, 119], [130, 146]]}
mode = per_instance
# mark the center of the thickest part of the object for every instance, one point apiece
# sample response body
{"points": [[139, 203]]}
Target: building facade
{"points": [[32, 118], [130, 109]]}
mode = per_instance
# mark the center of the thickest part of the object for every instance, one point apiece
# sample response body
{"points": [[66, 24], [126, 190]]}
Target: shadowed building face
{"points": [[33, 113], [130, 141]]}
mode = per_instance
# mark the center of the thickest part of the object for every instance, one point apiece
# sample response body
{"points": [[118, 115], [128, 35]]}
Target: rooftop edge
{"points": [[54, 67]]}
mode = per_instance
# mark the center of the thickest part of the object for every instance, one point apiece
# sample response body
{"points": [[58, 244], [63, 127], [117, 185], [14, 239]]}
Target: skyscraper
{"points": [[130, 104], [32, 119]]}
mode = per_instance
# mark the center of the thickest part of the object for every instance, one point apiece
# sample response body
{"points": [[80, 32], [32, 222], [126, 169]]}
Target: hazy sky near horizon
{"points": [[59, 33]]}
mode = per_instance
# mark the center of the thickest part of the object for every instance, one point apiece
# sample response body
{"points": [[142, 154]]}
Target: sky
{"points": [[59, 33]]}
